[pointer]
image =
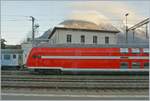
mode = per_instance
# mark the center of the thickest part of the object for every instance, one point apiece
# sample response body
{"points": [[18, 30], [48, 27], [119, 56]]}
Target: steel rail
{"points": [[73, 85]]}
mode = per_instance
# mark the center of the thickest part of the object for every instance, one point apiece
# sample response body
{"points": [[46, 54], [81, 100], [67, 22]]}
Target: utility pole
{"points": [[126, 28], [33, 34], [146, 31]]}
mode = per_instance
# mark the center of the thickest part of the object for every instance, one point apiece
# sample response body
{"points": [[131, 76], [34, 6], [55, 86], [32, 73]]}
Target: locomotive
{"points": [[84, 58]]}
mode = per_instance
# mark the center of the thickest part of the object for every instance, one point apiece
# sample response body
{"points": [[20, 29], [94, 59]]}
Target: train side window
{"points": [[124, 65], [136, 65], [124, 50], [135, 50], [146, 50], [6, 57], [146, 65], [14, 56]]}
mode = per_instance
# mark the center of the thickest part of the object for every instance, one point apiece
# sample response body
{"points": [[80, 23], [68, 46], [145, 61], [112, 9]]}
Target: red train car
{"points": [[88, 59]]}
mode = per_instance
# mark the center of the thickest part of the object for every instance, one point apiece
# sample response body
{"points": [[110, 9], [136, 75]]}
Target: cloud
{"points": [[92, 16], [111, 9]]}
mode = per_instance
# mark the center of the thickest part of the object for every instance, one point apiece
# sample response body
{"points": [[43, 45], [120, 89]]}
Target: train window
{"points": [[146, 65], [136, 65], [135, 50], [124, 50], [14, 56], [124, 65], [6, 57], [145, 50]]}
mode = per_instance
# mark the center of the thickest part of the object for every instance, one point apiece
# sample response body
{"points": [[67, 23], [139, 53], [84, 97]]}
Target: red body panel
{"points": [[53, 62]]}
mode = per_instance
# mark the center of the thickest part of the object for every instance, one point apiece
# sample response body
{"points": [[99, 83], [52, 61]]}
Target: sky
{"points": [[16, 21]]}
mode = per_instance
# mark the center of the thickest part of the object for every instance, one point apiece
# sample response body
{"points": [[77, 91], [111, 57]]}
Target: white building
{"points": [[83, 32]]}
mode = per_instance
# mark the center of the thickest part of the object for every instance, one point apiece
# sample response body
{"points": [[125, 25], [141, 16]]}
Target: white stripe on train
{"points": [[94, 57]]}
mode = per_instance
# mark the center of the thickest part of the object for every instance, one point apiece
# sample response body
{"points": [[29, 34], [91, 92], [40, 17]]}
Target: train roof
{"points": [[11, 51], [92, 45]]}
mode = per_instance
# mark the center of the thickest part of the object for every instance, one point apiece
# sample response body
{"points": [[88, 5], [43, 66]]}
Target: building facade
{"points": [[78, 36]]}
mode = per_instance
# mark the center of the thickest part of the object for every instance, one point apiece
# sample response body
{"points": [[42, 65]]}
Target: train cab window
{"points": [[124, 65], [135, 50], [135, 65], [14, 56], [6, 57], [146, 65], [146, 50], [124, 50]]}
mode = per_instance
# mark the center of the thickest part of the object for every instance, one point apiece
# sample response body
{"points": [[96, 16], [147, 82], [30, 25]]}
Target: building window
{"points": [[82, 39], [6, 57], [136, 65], [106, 40], [14, 56], [146, 65], [95, 39], [124, 65], [69, 38]]}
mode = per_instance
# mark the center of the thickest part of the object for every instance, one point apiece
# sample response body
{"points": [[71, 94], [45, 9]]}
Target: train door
{"points": [[20, 59], [124, 63], [14, 60]]}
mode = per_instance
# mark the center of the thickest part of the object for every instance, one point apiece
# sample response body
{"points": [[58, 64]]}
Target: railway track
{"points": [[22, 82], [24, 79], [73, 85]]}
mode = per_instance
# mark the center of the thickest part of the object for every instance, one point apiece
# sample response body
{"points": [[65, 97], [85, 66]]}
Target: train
{"points": [[88, 59], [11, 59]]}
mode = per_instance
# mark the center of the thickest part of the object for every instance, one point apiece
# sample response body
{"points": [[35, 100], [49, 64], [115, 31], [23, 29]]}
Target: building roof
{"points": [[78, 24], [85, 26], [81, 24]]}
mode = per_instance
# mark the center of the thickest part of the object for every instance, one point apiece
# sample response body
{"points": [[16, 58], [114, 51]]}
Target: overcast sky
{"points": [[16, 23]]}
